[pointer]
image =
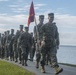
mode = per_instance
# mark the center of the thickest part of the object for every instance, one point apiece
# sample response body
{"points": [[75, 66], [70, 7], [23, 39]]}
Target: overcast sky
{"points": [[15, 12]]}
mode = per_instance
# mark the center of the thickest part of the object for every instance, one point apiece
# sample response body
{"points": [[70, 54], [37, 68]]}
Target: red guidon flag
{"points": [[31, 14]]}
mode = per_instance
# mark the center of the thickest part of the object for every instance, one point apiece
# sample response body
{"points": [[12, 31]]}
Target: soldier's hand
{"points": [[19, 46], [32, 46], [38, 41], [42, 43]]}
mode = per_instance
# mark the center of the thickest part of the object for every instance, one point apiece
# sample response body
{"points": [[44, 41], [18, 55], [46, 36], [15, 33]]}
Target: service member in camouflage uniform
{"points": [[7, 45], [48, 59], [18, 45], [25, 42], [5, 36], [37, 37], [11, 45], [15, 49], [32, 51], [2, 46], [49, 34]]}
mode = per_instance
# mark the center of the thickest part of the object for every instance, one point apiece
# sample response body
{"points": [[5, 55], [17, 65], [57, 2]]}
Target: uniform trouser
{"points": [[48, 57], [38, 55], [19, 53], [12, 55], [7, 51], [53, 56], [15, 51], [25, 52], [11, 52], [15, 54], [32, 52], [2, 52]]}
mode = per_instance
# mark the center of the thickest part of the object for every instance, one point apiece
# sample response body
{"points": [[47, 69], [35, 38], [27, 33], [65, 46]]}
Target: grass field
{"points": [[11, 69]]}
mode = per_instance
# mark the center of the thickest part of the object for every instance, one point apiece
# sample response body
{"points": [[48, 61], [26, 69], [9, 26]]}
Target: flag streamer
{"points": [[31, 14]]}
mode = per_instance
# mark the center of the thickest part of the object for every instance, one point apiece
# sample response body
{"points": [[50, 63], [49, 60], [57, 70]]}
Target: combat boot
{"points": [[7, 58], [10, 59], [26, 63], [46, 62], [58, 70], [37, 64], [22, 62], [31, 59], [42, 69], [19, 62], [13, 58], [16, 60]]}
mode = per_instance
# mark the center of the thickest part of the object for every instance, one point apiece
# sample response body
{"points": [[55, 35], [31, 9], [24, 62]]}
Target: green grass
{"points": [[11, 69]]}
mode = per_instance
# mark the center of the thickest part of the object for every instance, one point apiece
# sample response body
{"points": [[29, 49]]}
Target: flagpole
{"points": [[37, 36], [35, 21], [36, 28]]}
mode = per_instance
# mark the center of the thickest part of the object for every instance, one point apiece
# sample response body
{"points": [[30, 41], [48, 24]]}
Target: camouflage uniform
{"points": [[7, 41], [48, 59], [25, 42], [11, 45], [57, 42], [4, 41], [15, 43], [37, 37], [18, 45], [32, 51], [50, 34], [2, 46]]}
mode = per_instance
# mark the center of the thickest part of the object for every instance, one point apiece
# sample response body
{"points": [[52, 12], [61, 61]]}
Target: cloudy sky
{"points": [[15, 12]]}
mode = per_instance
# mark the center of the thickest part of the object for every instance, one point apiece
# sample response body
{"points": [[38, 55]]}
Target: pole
{"points": [[36, 29], [37, 44]]}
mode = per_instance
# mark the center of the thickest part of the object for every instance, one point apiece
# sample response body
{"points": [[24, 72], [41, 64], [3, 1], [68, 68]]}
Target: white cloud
{"points": [[66, 22], [67, 38], [13, 6], [67, 19], [40, 5], [18, 7], [67, 28], [8, 22]]}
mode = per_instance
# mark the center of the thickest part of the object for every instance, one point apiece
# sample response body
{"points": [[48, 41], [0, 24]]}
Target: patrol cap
{"points": [[17, 30], [5, 32], [2, 34], [51, 14], [8, 31], [26, 28], [12, 29], [31, 33], [41, 16], [21, 26], [54, 23]]}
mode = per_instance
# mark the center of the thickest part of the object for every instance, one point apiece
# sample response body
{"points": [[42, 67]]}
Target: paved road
{"points": [[68, 70]]}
